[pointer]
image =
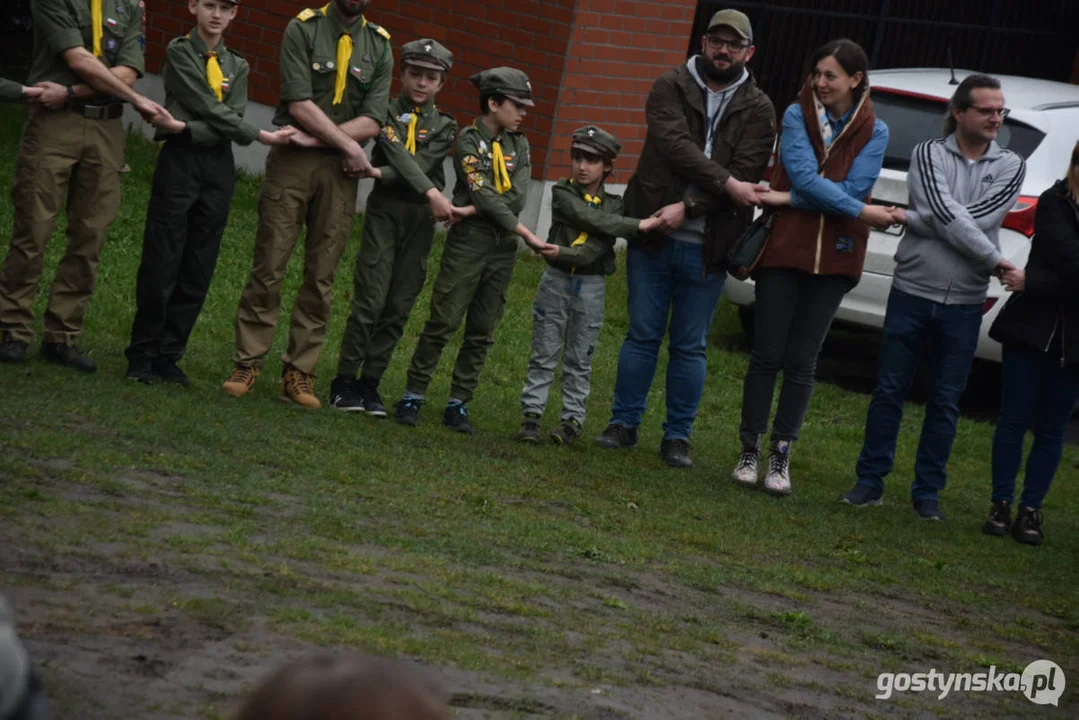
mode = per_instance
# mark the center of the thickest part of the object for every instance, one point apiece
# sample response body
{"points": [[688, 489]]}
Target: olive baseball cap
{"points": [[427, 53], [596, 140], [507, 81], [735, 20]]}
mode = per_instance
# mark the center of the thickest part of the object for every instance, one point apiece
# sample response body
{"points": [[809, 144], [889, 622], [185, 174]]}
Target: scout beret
{"points": [[506, 81], [427, 53], [596, 140]]}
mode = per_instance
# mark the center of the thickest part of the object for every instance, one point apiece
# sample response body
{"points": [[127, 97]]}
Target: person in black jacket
{"points": [[1039, 328]]}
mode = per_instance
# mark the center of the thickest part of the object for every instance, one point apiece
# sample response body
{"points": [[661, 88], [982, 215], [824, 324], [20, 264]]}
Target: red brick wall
{"points": [[590, 61]]}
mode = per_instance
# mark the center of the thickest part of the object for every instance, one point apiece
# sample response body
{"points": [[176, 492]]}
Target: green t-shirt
{"points": [[309, 67], [476, 176], [60, 25], [190, 99]]}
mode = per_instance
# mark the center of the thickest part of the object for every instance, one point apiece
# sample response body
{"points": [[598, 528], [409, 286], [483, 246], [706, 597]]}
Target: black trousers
{"points": [[189, 208]]}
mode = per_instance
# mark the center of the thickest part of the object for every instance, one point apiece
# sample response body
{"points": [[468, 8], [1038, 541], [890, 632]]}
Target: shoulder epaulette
{"points": [[379, 29], [309, 13], [447, 115]]}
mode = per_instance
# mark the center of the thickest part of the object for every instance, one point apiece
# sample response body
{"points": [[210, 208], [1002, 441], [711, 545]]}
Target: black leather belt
{"points": [[111, 111]]}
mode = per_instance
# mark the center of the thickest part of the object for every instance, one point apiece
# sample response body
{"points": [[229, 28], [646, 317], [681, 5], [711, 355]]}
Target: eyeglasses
{"points": [[987, 112], [718, 43]]}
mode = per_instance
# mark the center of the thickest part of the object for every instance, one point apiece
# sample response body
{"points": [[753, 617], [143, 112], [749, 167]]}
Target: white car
{"points": [[1041, 127]]}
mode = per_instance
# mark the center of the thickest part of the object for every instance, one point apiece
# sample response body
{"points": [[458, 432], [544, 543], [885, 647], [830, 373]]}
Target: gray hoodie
{"points": [[952, 242]]}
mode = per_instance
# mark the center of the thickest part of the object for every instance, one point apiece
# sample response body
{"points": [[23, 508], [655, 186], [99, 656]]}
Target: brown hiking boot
{"points": [[242, 380], [299, 387]]}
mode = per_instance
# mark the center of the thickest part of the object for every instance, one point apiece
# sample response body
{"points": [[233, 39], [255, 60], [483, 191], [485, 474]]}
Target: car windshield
{"points": [[911, 120]]}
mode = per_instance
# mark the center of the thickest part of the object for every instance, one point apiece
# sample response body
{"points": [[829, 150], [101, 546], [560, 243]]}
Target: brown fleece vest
{"points": [[815, 242]]}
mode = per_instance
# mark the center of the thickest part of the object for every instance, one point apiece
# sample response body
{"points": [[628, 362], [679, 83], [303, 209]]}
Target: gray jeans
{"points": [[793, 312], [567, 318]]}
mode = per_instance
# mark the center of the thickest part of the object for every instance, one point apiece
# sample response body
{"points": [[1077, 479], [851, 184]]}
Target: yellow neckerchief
{"points": [[97, 21], [502, 175], [214, 77], [344, 59], [593, 200], [410, 140]]}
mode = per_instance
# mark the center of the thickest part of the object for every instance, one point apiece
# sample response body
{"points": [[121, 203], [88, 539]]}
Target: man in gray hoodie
{"points": [[961, 186]]}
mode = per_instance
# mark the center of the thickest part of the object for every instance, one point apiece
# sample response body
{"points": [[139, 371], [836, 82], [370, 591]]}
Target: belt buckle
{"points": [[93, 112]]}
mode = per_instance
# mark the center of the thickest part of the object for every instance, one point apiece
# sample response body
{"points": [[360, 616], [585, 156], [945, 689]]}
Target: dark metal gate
{"points": [[1031, 38]]}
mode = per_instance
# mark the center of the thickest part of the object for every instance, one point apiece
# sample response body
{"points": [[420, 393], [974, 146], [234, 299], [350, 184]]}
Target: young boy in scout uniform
{"points": [[493, 171], [392, 263], [206, 93], [335, 85], [568, 307], [87, 55]]}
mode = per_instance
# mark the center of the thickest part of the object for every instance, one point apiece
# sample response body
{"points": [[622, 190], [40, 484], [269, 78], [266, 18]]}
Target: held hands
{"points": [[357, 165], [1014, 280], [649, 224], [51, 95], [460, 213], [441, 209], [744, 194], [281, 136], [550, 252], [32, 94], [1004, 267], [149, 109], [532, 241], [302, 139], [772, 198], [879, 216], [670, 217]]}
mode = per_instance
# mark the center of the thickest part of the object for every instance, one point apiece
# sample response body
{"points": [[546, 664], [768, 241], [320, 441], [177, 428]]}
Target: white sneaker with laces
{"points": [[777, 480], [746, 472]]}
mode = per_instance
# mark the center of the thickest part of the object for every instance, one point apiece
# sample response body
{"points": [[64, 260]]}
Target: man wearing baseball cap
{"points": [[710, 133], [399, 226]]}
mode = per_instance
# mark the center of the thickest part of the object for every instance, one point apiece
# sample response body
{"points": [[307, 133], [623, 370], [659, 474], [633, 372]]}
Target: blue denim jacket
{"points": [[809, 191]]}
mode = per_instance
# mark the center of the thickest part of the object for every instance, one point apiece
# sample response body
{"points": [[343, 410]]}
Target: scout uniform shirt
{"points": [[585, 228], [10, 91], [432, 133], [476, 183], [311, 70], [190, 99], [60, 25]]}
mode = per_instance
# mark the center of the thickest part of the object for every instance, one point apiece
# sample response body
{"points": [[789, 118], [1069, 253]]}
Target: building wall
{"points": [[590, 61]]}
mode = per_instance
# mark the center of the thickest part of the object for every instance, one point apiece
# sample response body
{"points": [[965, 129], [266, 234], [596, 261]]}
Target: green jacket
{"points": [[60, 25], [189, 98], [309, 67], [10, 91], [476, 176], [403, 171], [572, 215]]}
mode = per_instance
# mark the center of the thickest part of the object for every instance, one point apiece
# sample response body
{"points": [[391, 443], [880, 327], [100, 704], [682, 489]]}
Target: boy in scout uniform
{"points": [[206, 94], [335, 86], [568, 307], [493, 171], [392, 263], [87, 55]]}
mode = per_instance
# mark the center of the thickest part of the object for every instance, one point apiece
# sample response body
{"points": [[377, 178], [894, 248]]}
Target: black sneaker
{"points": [[345, 394], [566, 433], [1000, 519], [1028, 526], [928, 509], [170, 372], [456, 418], [407, 411], [616, 437], [68, 356], [372, 401], [140, 370], [530, 431], [13, 351], [675, 452]]}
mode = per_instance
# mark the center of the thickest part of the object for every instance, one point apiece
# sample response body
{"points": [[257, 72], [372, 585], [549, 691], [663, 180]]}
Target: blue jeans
{"points": [[1035, 390], [669, 285], [911, 324]]}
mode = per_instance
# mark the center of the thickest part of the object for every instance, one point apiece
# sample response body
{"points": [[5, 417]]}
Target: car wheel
{"points": [[746, 316]]}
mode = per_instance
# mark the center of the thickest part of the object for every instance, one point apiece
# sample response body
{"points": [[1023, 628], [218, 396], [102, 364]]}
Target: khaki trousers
{"points": [[301, 188]]}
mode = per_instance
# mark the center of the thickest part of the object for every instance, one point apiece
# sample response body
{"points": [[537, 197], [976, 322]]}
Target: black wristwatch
{"points": [[70, 92]]}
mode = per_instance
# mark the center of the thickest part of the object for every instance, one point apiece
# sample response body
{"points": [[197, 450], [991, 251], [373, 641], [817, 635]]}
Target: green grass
{"points": [[560, 568]]}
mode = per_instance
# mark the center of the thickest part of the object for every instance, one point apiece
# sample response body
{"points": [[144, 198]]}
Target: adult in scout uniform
{"points": [[335, 85], [206, 94], [11, 91], [493, 171], [392, 263], [87, 54]]}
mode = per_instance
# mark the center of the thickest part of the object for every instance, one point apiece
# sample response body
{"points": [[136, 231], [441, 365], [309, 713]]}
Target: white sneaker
{"points": [[746, 472], [778, 478]]}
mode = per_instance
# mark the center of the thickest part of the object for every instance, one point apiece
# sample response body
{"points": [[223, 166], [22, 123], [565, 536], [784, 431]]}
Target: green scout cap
{"points": [[507, 81], [427, 53], [735, 20], [596, 140]]}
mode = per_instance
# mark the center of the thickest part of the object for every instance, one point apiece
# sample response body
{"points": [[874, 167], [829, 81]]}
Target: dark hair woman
{"points": [[830, 154], [1039, 328]]}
